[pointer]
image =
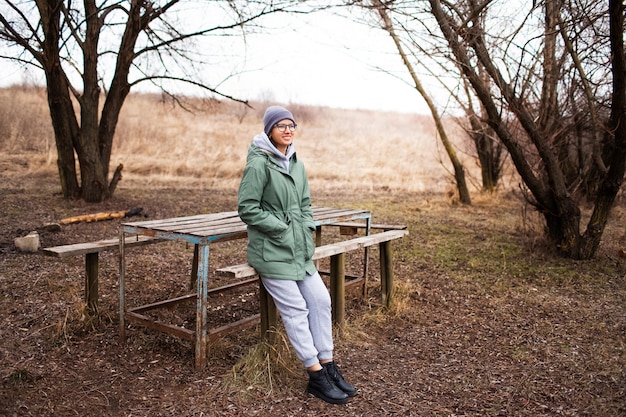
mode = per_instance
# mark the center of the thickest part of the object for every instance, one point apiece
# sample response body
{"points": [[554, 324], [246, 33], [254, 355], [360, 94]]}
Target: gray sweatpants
{"points": [[304, 308]]}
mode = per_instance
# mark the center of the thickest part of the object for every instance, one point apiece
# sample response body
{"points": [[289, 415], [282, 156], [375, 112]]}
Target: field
{"points": [[486, 320]]}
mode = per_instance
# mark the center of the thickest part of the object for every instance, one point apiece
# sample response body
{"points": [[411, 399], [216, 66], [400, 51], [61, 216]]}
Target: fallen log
{"points": [[96, 217]]}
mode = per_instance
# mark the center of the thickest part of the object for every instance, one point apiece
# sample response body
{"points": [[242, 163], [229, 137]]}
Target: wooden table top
{"points": [[218, 226]]}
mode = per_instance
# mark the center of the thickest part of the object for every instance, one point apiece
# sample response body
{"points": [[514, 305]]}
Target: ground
{"points": [[486, 321]]}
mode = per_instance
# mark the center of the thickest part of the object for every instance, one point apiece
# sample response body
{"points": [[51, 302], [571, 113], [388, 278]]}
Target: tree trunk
{"points": [[64, 123], [94, 169], [564, 227], [459, 172], [549, 112], [617, 135], [66, 130], [91, 140], [488, 150], [587, 244]]}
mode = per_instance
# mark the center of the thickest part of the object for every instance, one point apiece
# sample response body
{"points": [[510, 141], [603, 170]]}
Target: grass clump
{"points": [[265, 369]]}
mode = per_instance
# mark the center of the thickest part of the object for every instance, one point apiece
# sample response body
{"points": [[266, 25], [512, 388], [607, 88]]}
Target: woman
{"points": [[275, 202]]}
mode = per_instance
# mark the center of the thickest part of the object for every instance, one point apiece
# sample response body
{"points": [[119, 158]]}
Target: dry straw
{"points": [[205, 144]]}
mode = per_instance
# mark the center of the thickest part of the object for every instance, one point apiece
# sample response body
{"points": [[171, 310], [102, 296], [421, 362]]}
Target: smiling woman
{"points": [[274, 200]]}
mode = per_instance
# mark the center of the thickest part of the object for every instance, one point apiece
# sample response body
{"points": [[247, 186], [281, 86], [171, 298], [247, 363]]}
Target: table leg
{"points": [[194, 267], [368, 224], [201, 306], [91, 283], [122, 261]]}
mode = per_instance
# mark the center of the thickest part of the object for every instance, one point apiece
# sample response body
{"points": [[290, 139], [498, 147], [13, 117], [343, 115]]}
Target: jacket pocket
{"points": [[279, 249], [283, 226]]}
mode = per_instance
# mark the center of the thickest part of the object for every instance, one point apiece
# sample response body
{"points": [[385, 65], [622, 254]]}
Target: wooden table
{"points": [[201, 230]]}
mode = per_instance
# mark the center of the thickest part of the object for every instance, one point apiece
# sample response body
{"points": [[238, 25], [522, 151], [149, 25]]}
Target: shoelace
{"points": [[333, 372]]}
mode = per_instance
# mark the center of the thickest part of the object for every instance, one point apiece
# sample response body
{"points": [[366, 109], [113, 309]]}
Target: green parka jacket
{"points": [[276, 206]]}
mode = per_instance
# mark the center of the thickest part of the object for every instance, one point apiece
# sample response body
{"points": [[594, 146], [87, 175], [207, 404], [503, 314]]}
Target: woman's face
{"points": [[282, 134]]}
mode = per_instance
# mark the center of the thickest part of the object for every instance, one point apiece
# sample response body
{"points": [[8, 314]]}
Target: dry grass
{"points": [[158, 142]]}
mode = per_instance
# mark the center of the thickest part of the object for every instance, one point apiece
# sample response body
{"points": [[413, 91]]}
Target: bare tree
{"points": [[433, 70], [76, 43], [489, 150], [459, 171], [543, 83]]}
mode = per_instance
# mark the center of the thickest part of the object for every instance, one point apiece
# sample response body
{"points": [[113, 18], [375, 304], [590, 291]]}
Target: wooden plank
{"points": [[232, 327], [217, 226], [233, 236], [372, 226], [206, 228], [333, 216], [202, 225], [160, 304], [354, 282], [95, 247], [245, 270], [325, 213], [162, 327], [216, 230], [179, 221], [237, 271], [190, 334], [357, 243], [331, 249]]}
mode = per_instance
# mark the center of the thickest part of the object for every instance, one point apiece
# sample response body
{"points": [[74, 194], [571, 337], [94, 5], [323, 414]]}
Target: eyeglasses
{"points": [[281, 127]]}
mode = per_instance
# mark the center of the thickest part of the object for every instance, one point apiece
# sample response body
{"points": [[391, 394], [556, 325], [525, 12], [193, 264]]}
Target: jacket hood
{"points": [[262, 141]]}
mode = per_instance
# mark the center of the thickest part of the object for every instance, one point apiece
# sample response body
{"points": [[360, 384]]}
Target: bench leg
{"points": [[386, 273], [338, 288], [318, 242], [269, 316], [91, 282]]}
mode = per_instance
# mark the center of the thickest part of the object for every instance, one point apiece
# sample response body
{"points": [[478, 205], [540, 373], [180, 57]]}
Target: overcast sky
{"points": [[318, 59], [326, 60]]}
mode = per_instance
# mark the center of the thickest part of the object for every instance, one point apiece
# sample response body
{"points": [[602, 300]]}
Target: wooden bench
{"points": [[91, 251], [350, 228], [336, 252]]}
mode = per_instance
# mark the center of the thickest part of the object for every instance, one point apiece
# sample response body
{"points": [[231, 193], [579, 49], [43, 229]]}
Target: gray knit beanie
{"points": [[275, 114]]}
